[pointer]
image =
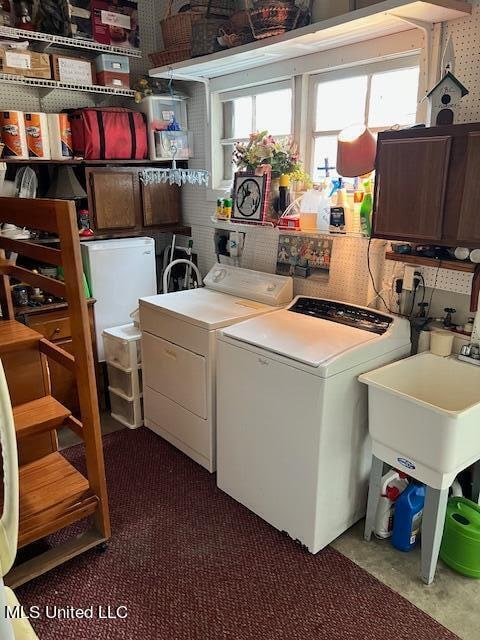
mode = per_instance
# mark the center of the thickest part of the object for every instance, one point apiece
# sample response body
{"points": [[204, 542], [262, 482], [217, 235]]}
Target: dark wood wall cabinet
{"points": [[427, 188], [120, 202]]}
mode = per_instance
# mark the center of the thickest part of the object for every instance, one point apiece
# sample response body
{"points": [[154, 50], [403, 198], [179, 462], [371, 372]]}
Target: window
{"points": [[380, 95], [256, 109]]}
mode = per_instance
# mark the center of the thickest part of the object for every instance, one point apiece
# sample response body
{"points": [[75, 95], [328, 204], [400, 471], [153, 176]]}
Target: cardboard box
{"points": [[80, 18], [22, 62], [74, 70], [114, 79], [115, 22]]}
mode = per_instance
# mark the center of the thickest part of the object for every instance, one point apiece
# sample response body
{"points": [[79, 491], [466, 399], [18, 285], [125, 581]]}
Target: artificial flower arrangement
{"points": [[263, 149]]}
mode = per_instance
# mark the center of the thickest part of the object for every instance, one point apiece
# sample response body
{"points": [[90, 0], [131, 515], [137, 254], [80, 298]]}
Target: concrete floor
{"points": [[452, 599], [67, 438]]}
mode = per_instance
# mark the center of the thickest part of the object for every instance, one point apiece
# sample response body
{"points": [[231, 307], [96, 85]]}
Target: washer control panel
{"points": [[358, 317]]}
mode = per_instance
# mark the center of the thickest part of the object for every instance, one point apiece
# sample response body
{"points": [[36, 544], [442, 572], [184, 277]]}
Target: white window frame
{"points": [[389, 49], [226, 96], [368, 70]]}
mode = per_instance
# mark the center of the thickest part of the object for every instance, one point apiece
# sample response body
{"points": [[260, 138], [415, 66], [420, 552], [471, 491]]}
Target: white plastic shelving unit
{"points": [[124, 363]]}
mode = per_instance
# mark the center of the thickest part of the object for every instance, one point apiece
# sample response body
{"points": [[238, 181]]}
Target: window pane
{"points": [[341, 103], [325, 147], [242, 117], [394, 98], [273, 112], [228, 168]]}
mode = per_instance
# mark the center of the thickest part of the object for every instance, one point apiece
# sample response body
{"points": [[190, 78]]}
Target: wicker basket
{"points": [[177, 29], [269, 18], [205, 36], [221, 8], [169, 56]]}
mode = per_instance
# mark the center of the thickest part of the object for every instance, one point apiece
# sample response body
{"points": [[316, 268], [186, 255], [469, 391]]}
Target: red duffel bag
{"points": [[109, 133]]}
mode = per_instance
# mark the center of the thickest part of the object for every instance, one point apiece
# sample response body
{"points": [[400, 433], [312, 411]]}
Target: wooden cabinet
{"points": [[119, 201], [54, 324], [427, 188]]}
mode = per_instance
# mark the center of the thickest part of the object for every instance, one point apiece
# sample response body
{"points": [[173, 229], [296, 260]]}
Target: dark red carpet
{"points": [[192, 564]]}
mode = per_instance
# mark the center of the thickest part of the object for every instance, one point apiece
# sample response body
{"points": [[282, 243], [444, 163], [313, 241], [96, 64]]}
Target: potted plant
{"points": [[263, 153]]}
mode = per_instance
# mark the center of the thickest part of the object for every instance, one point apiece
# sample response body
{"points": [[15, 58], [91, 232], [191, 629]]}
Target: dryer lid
{"points": [[205, 308]]}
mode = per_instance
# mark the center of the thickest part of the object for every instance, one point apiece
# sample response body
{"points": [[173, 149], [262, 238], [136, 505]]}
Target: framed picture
{"points": [[250, 199], [306, 257]]}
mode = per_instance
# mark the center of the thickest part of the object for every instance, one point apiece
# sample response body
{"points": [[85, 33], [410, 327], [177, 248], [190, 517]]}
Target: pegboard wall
{"points": [[349, 275], [30, 98]]}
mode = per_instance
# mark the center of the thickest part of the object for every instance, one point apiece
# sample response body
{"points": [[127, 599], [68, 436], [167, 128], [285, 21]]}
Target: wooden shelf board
{"points": [[15, 336], [381, 19], [53, 494], [38, 416], [454, 265]]}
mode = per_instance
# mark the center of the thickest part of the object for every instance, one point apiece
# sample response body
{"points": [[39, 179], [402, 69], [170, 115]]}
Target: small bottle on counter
{"points": [[283, 193], [227, 208], [366, 210]]}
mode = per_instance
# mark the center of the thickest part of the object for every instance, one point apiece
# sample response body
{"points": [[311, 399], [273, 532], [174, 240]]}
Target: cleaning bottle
{"points": [[358, 195], [393, 484], [342, 202], [408, 516], [323, 214], [366, 210]]}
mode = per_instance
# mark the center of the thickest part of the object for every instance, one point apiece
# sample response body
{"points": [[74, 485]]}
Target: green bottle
{"points": [[366, 210]]}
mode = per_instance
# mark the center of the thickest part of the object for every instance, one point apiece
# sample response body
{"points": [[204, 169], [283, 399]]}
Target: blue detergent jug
{"points": [[408, 517]]}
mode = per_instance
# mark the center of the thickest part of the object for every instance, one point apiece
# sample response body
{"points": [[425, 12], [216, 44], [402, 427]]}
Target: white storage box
{"points": [[160, 110], [128, 411], [122, 346], [127, 383]]}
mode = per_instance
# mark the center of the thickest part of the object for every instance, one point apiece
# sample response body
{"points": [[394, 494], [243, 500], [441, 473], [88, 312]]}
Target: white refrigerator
{"points": [[119, 272]]}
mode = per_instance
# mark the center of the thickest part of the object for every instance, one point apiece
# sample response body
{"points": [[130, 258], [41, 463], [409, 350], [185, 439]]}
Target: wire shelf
{"points": [[6, 78], [62, 41]]}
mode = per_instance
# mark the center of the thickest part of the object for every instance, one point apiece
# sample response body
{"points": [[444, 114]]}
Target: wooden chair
{"points": [[53, 494]]}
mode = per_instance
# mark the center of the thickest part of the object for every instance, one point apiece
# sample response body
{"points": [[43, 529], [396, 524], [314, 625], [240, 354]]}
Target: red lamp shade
{"points": [[357, 148]]}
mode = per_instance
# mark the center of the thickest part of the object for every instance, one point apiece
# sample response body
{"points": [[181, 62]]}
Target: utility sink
{"points": [[424, 416]]}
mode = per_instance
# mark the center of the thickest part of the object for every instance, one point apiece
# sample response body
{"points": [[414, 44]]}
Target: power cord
{"points": [[378, 293]]}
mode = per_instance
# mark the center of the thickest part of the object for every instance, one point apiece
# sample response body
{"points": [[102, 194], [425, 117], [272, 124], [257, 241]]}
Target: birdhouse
{"points": [[443, 101]]}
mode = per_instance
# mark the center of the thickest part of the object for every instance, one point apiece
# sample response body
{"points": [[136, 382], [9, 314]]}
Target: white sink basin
{"points": [[424, 416]]}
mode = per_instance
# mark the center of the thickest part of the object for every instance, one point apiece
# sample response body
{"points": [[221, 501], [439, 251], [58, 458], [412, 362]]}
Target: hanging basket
{"points": [[273, 18], [177, 29]]}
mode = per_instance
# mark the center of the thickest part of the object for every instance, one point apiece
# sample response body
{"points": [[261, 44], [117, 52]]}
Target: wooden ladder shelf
{"points": [[53, 494]]}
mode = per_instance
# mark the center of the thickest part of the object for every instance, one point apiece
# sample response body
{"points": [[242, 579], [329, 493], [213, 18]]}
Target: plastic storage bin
{"points": [[159, 111], [128, 411], [122, 346], [127, 383]]}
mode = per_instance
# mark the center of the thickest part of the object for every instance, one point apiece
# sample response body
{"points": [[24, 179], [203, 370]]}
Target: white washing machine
{"points": [[179, 351], [292, 433]]}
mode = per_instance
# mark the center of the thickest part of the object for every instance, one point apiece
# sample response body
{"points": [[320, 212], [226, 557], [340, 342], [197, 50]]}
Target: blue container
{"points": [[408, 517]]}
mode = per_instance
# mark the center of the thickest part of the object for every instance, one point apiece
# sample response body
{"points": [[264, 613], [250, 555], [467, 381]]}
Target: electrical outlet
{"points": [[408, 277]]}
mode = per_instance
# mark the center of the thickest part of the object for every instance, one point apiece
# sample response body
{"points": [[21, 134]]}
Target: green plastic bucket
{"points": [[460, 548]]}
